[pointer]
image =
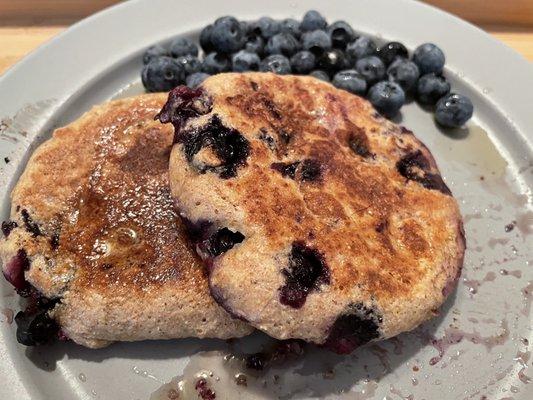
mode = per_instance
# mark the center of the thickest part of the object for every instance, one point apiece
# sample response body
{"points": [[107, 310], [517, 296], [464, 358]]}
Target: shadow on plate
{"points": [[317, 374]]}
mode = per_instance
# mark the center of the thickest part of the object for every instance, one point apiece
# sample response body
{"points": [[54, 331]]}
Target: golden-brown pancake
{"points": [[94, 231], [318, 218]]}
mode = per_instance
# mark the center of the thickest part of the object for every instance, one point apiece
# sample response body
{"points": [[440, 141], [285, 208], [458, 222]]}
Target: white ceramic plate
{"points": [[484, 332]]}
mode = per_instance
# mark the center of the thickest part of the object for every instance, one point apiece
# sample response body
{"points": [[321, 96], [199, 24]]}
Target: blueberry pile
{"points": [[386, 75]]}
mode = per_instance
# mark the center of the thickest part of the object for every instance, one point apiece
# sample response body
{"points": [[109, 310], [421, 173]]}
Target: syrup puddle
{"points": [[214, 375], [523, 357], [453, 336], [229, 382], [474, 149], [527, 294], [473, 284]]}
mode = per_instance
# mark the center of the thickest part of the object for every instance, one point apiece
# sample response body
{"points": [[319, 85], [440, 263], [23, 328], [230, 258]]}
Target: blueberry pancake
{"points": [[317, 218], [94, 240]]}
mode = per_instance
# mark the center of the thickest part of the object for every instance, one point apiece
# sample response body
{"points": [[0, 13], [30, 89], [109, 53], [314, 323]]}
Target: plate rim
{"points": [[62, 42]]}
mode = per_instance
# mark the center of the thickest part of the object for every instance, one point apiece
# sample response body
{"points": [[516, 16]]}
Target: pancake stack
{"points": [[255, 201]]}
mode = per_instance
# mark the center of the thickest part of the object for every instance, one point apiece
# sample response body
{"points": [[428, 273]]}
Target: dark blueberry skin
{"points": [[227, 35], [362, 47], [247, 27], [308, 170], [230, 147], [332, 60], [276, 63], [282, 43], [256, 361], [416, 167], [313, 20], [454, 110], [205, 39], [387, 98], [245, 61], [216, 63], [154, 52], [290, 25], [351, 81], [162, 74], [194, 80], [371, 68], [35, 329], [303, 62], [184, 103], [405, 73], [317, 42], [266, 27], [7, 227], [254, 44], [183, 47], [29, 224], [307, 270], [190, 64], [358, 142], [220, 242], [341, 33], [431, 87], [391, 51], [323, 76], [357, 326], [429, 58]]}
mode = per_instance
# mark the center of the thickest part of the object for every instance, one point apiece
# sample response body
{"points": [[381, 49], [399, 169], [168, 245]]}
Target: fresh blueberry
{"points": [[351, 81], [371, 68], [341, 33], [290, 25], [254, 44], [332, 60], [215, 63], [154, 52], [205, 39], [162, 74], [362, 47], [316, 42], [313, 20], [183, 47], [246, 27], [245, 61], [430, 88], [266, 27], [276, 63], [387, 97], [303, 62], [405, 73], [227, 35], [194, 80], [190, 64], [391, 51], [323, 76], [429, 58], [282, 43], [453, 110]]}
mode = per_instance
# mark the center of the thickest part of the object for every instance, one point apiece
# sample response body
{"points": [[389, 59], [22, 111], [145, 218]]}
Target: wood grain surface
{"points": [[26, 24]]}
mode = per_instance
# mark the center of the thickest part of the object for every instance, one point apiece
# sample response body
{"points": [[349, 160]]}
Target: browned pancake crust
{"points": [[377, 209], [112, 247]]}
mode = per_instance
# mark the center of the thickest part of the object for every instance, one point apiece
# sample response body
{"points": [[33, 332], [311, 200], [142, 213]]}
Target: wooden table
{"points": [[17, 41]]}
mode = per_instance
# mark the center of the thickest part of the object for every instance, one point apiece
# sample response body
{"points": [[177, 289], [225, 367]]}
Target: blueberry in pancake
{"points": [[94, 241], [317, 218]]}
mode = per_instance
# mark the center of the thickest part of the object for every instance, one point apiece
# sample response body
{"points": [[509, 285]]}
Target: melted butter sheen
{"points": [[126, 231]]}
